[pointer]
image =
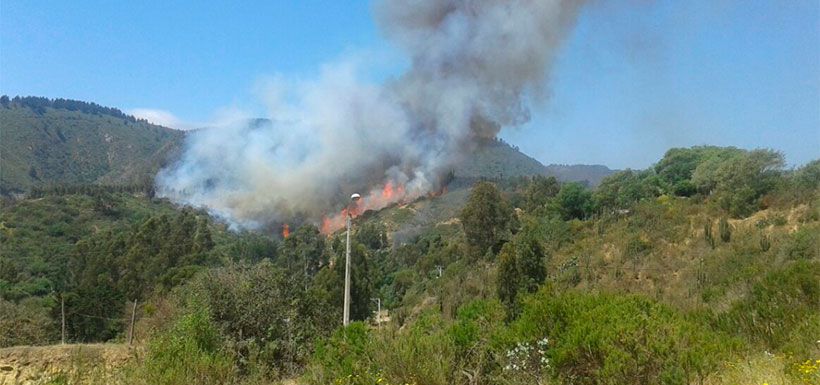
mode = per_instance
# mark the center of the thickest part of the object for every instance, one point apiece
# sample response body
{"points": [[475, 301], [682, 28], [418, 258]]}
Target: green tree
{"points": [[531, 258], [622, 189], [330, 282], [574, 201], [738, 179], [303, 252], [539, 191], [508, 280], [486, 219], [372, 235]]}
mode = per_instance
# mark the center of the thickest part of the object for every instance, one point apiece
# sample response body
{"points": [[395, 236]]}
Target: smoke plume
{"points": [[473, 67]]}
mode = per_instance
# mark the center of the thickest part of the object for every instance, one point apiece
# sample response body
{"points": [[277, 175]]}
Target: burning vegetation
{"points": [[474, 69]]}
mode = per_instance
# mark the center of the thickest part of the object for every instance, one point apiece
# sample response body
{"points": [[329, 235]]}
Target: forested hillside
{"points": [[57, 141], [674, 274]]}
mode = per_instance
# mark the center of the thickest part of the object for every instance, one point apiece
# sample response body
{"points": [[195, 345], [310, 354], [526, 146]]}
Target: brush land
{"points": [[702, 269]]}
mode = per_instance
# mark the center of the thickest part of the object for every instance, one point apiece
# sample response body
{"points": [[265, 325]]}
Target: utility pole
{"points": [[62, 313], [133, 318], [378, 311], [346, 315]]}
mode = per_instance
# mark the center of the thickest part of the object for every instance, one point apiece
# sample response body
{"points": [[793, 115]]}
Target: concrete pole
{"points": [[378, 311], [133, 318], [62, 315], [346, 316]]}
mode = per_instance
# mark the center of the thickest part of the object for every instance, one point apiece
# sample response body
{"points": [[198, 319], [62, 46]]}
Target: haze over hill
{"points": [[58, 141]]}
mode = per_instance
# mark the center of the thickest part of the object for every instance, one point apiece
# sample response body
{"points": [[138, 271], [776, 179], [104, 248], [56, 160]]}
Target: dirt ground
{"points": [[34, 365]]}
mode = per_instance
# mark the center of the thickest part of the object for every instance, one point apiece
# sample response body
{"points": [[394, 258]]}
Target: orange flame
{"points": [[285, 231], [387, 191], [376, 199]]}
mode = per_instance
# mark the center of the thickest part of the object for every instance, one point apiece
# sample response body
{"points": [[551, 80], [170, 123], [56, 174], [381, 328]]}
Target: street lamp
{"points": [[346, 315]]}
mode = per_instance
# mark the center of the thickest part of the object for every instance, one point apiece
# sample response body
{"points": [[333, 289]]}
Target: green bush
{"points": [[191, 352], [805, 243], [473, 329], [786, 300], [424, 354], [608, 339], [344, 358]]}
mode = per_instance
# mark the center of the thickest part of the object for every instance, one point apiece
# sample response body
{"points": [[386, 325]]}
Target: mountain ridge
{"points": [[62, 141]]}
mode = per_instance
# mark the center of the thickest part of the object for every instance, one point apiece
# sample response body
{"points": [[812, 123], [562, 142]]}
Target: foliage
{"points": [[191, 352], [607, 339], [27, 322], [100, 259], [69, 142], [738, 179], [539, 192], [486, 219], [344, 358], [784, 301], [574, 201], [509, 279], [264, 314], [804, 244], [623, 189], [303, 253]]}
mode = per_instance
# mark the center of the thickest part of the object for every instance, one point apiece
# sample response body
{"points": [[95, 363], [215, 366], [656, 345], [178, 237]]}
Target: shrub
{"points": [[804, 244], [344, 358], [786, 299], [725, 230], [424, 354], [191, 352], [608, 339], [473, 333]]}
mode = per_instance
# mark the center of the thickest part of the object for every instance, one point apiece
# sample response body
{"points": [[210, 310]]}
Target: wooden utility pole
{"points": [[62, 313], [133, 318]]}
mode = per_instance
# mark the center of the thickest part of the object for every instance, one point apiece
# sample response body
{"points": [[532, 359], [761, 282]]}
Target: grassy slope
{"points": [[71, 147]]}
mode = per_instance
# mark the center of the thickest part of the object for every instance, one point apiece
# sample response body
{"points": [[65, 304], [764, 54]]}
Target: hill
{"points": [[46, 142], [57, 141], [496, 159], [667, 275]]}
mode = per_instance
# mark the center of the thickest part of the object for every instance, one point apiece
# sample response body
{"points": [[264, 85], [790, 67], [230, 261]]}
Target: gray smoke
{"points": [[474, 66]]}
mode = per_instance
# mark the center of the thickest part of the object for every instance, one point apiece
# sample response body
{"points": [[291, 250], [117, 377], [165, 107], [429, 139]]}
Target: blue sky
{"points": [[633, 79]]}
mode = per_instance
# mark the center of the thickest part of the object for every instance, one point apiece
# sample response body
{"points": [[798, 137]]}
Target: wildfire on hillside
{"points": [[376, 199]]}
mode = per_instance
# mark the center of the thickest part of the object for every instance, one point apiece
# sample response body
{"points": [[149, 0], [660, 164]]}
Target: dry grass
{"points": [[759, 369]]}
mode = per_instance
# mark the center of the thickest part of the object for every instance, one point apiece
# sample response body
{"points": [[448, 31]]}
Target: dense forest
{"points": [[39, 104], [704, 268]]}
